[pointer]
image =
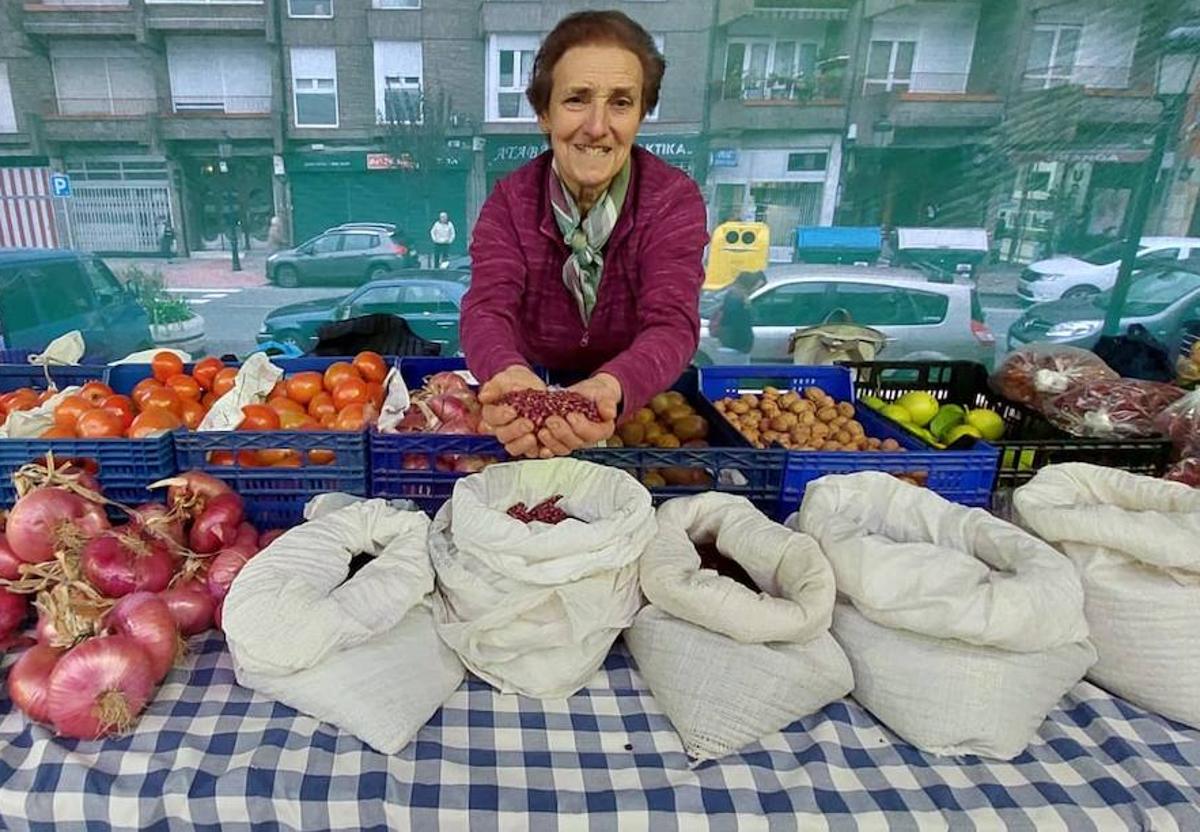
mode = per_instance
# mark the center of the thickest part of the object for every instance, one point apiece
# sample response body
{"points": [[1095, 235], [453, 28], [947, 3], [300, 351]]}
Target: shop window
{"points": [[802, 162], [1052, 53], [310, 8]]}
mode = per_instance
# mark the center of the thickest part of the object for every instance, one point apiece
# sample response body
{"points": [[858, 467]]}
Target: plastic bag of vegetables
{"points": [[355, 650], [530, 604], [728, 663]]}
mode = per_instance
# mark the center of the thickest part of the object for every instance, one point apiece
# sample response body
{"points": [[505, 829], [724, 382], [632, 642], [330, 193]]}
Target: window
{"points": [[105, 286], [769, 69], [1052, 53], [424, 299], [889, 65], [397, 4], [102, 78], [327, 244], [378, 299], [314, 85], [889, 306], [359, 242], [310, 8], [398, 71], [8, 116], [219, 74], [61, 293], [510, 65], [18, 310], [798, 162], [1162, 254], [1154, 292], [793, 304]]}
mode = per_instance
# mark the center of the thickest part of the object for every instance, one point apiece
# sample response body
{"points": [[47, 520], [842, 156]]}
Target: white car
{"points": [[1096, 271]]}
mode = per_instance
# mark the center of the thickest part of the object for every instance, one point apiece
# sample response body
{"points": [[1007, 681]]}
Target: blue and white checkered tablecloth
{"points": [[210, 755]]}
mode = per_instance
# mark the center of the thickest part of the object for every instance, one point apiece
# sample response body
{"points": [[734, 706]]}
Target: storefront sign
{"points": [[724, 158], [506, 153], [1078, 156], [382, 161], [325, 162], [674, 148], [456, 157]]}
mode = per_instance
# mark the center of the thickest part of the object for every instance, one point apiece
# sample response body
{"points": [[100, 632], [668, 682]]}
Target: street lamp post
{"points": [[1177, 68], [225, 151]]}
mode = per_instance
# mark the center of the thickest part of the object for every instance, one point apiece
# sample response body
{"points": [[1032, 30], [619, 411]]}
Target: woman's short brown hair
{"points": [[596, 27]]}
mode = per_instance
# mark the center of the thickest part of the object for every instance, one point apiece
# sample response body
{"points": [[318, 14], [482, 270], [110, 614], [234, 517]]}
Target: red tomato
{"points": [[95, 392], [151, 421], [282, 404], [370, 366], [259, 417], [321, 406], [99, 423], [351, 391], [142, 389], [278, 457], [337, 372], [186, 387], [321, 456], [166, 364], [223, 381], [206, 370], [164, 397], [192, 413], [221, 458], [120, 405], [377, 393], [303, 387], [291, 420], [68, 411], [58, 432], [352, 417]]}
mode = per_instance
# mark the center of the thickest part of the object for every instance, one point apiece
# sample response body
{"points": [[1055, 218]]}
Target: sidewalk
{"points": [[998, 279], [204, 270]]}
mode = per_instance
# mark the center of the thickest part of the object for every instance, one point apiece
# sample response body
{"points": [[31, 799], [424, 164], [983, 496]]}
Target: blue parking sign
{"points": [[60, 184]]}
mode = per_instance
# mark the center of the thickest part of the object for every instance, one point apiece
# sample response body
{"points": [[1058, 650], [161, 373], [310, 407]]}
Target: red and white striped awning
{"points": [[26, 209]]}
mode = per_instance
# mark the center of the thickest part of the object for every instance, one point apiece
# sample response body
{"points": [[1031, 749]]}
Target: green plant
{"points": [[161, 306]]}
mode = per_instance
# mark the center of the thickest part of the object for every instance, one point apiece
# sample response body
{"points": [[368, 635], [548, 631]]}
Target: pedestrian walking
{"points": [[274, 235], [733, 328], [442, 235]]}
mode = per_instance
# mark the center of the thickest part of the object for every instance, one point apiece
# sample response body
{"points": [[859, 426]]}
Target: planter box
{"points": [[185, 335]]}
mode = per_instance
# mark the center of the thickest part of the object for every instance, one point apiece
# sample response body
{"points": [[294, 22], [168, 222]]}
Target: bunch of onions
{"points": [[99, 687], [191, 491], [29, 681], [218, 524], [49, 519], [191, 605], [118, 563], [157, 521], [146, 618]]}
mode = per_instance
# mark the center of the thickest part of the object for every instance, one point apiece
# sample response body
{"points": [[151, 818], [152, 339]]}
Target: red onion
{"points": [[223, 569], [48, 518], [191, 606], [29, 681], [269, 536], [447, 407], [45, 631], [100, 687], [158, 518], [218, 524], [246, 540], [218, 614], [13, 609], [193, 490], [10, 564], [146, 618], [119, 563], [446, 382]]}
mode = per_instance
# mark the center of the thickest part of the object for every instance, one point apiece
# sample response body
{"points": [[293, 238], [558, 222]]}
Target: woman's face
{"points": [[594, 114]]}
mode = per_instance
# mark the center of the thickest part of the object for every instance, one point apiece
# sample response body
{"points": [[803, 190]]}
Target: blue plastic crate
{"points": [[16, 371], [964, 476], [275, 496], [124, 466], [407, 464]]}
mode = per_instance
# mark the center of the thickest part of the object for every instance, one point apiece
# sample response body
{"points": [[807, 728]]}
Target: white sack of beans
{"points": [[533, 608], [1133, 540], [359, 652], [963, 630], [728, 664]]}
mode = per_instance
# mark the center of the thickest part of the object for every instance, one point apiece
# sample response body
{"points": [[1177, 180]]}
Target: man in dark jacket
{"points": [[734, 329]]}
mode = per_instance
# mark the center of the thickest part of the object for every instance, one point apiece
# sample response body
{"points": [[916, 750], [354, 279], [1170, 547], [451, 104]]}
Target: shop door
{"points": [[247, 181]]}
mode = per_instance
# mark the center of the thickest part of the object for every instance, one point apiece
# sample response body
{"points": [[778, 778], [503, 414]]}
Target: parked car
{"points": [[922, 320], [351, 253], [1096, 271], [1165, 299], [427, 299], [47, 292]]}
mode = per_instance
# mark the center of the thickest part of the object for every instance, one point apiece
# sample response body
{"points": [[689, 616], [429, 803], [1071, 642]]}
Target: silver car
{"points": [[922, 320], [351, 253]]}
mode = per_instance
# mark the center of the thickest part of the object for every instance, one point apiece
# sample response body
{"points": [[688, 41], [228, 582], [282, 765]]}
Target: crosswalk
{"points": [[199, 297]]}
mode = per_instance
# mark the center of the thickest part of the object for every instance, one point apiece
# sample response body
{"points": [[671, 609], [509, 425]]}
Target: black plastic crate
{"points": [[1030, 441]]}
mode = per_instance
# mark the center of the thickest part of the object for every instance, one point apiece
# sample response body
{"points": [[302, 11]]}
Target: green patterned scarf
{"points": [[586, 236]]}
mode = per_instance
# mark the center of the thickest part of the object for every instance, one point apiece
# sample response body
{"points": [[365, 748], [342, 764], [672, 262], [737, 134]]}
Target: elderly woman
{"points": [[587, 259]]}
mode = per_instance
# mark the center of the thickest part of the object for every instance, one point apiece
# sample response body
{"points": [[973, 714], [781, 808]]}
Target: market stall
{"points": [[631, 638]]}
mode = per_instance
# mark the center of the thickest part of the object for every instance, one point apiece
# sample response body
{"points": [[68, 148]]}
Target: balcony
{"points": [[80, 17], [731, 10], [941, 100], [802, 102], [206, 16], [238, 117], [99, 119], [1054, 109]]}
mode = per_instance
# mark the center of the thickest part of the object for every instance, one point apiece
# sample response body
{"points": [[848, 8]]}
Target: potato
{"points": [[739, 407], [660, 403], [827, 414], [855, 428], [820, 431], [666, 440], [873, 443], [784, 422], [808, 418], [652, 430], [750, 399], [632, 433], [831, 446], [800, 434], [676, 411], [675, 398], [889, 445], [844, 437], [645, 416], [690, 427], [814, 393], [846, 409]]}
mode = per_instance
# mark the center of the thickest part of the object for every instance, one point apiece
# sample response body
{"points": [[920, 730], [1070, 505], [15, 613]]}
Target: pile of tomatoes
{"points": [[346, 397]]}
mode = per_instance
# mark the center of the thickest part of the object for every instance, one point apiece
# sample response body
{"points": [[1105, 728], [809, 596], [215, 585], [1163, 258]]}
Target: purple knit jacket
{"points": [[646, 323]]}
